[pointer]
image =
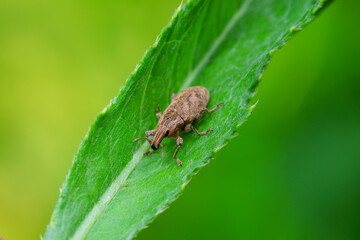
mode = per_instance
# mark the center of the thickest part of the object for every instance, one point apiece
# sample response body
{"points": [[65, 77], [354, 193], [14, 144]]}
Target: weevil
{"points": [[185, 109]]}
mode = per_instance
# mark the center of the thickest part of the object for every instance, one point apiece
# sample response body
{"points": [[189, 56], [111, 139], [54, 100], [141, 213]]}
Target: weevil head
{"points": [[161, 133]]}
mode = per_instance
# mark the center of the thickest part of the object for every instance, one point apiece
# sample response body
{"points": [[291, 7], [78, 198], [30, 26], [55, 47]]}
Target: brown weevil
{"points": [[184, 109]]}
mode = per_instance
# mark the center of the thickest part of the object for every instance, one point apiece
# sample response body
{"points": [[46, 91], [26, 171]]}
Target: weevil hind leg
{"points": [[179, 142], [214, 109], [200, 133]]}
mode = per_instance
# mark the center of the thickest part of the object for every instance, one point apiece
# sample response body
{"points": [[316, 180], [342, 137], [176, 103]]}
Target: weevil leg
{"points": [[187, 128], [158, 113], [179, 142], [150, 133], [214, 109], [149, 152], [173, 96], [200, 133], [162, 149]]}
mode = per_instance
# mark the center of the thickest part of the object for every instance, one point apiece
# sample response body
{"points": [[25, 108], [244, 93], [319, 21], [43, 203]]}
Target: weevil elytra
{"points": [[184, 109]]}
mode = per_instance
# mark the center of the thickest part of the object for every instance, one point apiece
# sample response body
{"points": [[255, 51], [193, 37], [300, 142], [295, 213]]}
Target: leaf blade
{"points": [[102, 165]]}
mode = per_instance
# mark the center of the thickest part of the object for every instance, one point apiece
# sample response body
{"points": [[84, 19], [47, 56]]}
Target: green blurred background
{"points": [[292, 173]]}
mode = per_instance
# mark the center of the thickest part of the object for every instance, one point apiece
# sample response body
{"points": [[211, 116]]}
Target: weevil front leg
{"points": [[150, 133], [151, 151], [158, 114], [214, 109], [148, 153], [179, 142]]}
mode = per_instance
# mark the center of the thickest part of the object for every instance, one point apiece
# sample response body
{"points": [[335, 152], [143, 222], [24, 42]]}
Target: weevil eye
{"points": [[167, 133]]}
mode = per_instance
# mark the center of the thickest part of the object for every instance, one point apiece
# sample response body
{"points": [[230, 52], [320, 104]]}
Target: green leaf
{"points": [[112, 190]]}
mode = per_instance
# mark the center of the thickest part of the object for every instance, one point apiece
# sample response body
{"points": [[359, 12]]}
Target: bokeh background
{"points": [[292, 173]]}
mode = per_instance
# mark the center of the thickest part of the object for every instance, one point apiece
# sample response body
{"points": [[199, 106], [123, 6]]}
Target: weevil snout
{"points": [[154, 147], [161, 133]]}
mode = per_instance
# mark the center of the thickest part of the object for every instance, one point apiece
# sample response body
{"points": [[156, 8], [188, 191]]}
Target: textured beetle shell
{"points": [[184, 109], [189, 104]]}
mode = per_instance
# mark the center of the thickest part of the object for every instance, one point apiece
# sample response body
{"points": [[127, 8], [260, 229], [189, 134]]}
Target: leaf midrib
{"points": [[90, 219]]}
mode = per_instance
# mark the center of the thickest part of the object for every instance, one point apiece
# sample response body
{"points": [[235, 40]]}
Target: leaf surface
{"points": [[112, 190]]}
